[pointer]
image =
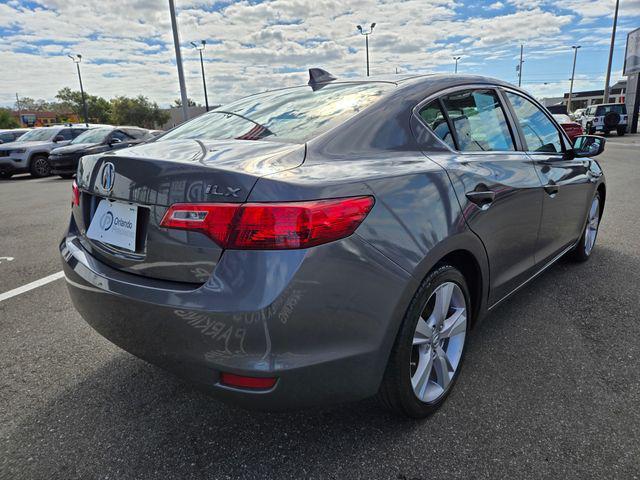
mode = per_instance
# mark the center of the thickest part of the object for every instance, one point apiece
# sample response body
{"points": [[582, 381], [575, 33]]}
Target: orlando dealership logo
{"points": [[106, 221]]}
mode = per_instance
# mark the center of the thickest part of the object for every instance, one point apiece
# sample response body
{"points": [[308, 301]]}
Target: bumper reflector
{"points": [[241, 381]]}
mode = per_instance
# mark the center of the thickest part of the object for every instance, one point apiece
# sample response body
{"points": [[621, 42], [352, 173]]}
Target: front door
{"points": [[566, 182]]}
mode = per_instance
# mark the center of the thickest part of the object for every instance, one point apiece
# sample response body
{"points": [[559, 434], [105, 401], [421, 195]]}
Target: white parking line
{"points": [[30, 286]]}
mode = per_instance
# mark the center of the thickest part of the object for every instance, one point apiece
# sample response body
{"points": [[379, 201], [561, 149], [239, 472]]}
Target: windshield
{"points": [[95, 135], [38, 135], [288, 115]]}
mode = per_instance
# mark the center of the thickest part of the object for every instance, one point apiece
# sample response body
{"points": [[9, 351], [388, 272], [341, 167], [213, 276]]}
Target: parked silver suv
{"points": [[31, 153], [605, 118]]}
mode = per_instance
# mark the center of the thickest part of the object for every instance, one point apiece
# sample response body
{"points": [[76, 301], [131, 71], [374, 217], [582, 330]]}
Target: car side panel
{"points": [[508, 227]]}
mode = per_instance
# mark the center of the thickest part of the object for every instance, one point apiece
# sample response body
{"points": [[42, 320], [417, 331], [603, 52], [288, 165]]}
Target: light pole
{"points": [[77, 58], [366, 40], [573, 73], [200, 48], [520, 66], [456, 60], [613, 41], [176, 44]]}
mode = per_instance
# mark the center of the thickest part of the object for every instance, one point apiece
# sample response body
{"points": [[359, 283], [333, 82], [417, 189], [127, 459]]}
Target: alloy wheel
{"points": [[592, 226], [438, 342], [41, 166]]}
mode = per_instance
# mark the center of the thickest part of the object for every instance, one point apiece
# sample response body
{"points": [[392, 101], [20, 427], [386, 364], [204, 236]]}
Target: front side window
{"points": [[540, 133], [288, 115], [478, 120], [65, 133], [434, 118]]}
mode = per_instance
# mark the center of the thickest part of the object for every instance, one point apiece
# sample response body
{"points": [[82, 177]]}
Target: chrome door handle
{"points": [[483, 199]]}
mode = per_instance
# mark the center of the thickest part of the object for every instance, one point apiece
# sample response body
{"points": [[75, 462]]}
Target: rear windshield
{"points": [[604, 109], [288, 115]]}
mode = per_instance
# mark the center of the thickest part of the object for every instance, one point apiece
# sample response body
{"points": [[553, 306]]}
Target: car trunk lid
{"points": [[149, 178]]}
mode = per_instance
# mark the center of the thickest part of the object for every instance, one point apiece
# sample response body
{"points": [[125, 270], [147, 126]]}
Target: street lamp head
{"points": [[199, 46], [77, 58], [360, 28], [373, 25]]}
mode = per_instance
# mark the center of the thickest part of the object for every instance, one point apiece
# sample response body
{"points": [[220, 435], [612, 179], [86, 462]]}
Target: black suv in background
{"points": [[64, 160]]}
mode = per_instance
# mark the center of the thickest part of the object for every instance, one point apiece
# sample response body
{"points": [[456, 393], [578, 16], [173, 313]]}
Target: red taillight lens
{"points": [[246, 382], [271, 226], [75, 195]]}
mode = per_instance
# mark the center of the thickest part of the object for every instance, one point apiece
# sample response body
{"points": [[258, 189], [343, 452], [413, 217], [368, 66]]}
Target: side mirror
{"points": [[114, 141], [58, 138], [588, 146]]}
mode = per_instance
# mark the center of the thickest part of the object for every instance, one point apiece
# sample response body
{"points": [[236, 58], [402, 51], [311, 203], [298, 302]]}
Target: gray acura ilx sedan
{"points": [[329, 242]]}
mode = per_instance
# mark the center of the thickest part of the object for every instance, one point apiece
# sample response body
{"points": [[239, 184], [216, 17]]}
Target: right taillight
{"points": [[271, 226]]}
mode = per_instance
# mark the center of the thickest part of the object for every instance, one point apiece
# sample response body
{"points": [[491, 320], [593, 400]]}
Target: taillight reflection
{"points": [[75, 195]]}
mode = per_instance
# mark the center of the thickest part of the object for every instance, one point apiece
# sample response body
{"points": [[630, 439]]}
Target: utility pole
{"points": [[520, 66], [176, 44], [200, 48], [77, 59], [613, 40], [456, 59], [573, 74], [366, 38]]}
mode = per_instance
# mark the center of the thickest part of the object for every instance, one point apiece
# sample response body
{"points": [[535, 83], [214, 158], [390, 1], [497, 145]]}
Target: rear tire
{"points": [[40, 166], [583, 250], [403, 381], [621, 131], [6, 175]]}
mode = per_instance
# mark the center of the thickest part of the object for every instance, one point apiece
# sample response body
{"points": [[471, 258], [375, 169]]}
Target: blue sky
{"points": [[253, 45]]}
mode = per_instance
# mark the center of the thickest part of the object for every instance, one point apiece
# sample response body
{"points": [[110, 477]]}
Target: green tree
{"points": [[98, 108], [178, 103], [138, 111], [7, 120]]}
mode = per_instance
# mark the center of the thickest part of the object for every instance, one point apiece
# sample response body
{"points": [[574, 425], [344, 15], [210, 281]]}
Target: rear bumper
{"points": [[322, 320]]}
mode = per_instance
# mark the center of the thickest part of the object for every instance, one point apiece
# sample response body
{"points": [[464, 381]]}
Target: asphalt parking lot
{"points": [[550, 388]]}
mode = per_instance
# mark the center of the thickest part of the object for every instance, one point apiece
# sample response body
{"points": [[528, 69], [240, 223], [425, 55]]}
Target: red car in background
{"points": [[572, 128]]}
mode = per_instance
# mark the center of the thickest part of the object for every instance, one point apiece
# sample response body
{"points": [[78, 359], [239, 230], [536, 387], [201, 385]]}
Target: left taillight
{"points": [[271, 226], [75, 195]]}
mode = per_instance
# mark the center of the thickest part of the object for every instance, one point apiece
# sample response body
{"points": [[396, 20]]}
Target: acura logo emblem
{"points": [[108, 176]]}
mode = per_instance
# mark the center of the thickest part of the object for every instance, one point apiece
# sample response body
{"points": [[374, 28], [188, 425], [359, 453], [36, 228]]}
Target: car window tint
{"points": [[77, 131], [123, 137], [434, 117], [479, 121], [540, 133], [65, 133], [6, 137], [619, 109]]}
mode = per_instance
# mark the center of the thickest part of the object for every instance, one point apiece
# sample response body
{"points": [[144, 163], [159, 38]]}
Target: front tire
{"points": [[39, 166], [582, 251], [427, 356]]}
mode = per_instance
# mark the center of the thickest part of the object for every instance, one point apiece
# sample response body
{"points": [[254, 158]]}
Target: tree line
{"points": [[121, 110]]}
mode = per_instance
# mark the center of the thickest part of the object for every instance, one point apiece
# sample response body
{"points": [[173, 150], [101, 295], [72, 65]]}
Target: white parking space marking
{"points": [[30, 286], [6, 259]]}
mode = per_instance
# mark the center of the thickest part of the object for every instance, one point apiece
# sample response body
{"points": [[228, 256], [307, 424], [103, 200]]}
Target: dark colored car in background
{"points": [[12, 135], [329, 242], [64, 160], [572, 129]]}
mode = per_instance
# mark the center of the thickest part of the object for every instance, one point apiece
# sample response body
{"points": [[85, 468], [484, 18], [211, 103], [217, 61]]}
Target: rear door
{"points": [[565, 181], [496, 184]]}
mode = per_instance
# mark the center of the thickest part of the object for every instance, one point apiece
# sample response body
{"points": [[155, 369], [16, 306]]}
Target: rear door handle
{"points": [[551, 189], [483, 199]]}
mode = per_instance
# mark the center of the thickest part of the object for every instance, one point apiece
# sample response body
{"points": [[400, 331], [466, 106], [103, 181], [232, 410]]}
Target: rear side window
{"points": [[540, 133], [478, 121], [434, 118]]}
